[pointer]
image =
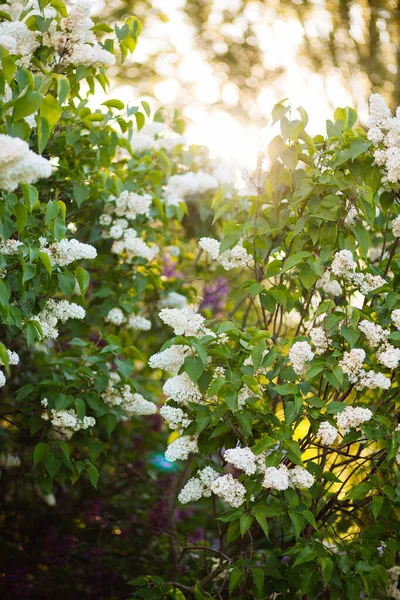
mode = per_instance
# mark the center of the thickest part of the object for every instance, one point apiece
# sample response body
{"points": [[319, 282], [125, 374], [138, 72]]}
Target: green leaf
{"points": [[31, 196], [46, 262], [293, 452], [264, 444], [4, 293], [63, 88], [80, 408], [21, 215], [140, 120], [258, 579], [52, 464], [307, 514], [245, 522], [114, 104], [263, 523], [95, 448], [33, 332], [125, 367], [40, 451], [28, 270], [200, 595], [26, 105], [4, 358], [297, 522], [110, 423], [50, 110], [327, 568], [229, 241], [235, 579], [80, 193], [350, 334], [93, 474], [376, 506], [333, 408], [52, 210], [358, 146], [83, 278], [66, 282], [305, 556], [193, 367]]}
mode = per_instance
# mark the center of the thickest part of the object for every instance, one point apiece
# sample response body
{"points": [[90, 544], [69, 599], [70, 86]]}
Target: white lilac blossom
{"points": [[395, 316], [128, 205], [173, 300], [16, 38], [115, 316], [145, 139], [352, 362], [368, 283], [396, 226], [372, 381], [351, 216], [179, 187], [78, 40], [67, 251], [18, 164], [328, 433], [219, 372], [90, 56], [9, 461], [139, 322], [329, 286], [276, 479], [352, 416], [66, 419], [244, 394], [13, 358], [231, 258], [182, 389], [319, 339], [393, 584], [241, 458], [132, 403], [343, 264], [198, 487], [299, 354], [184, 321], [379, 113], [180, 448], [192, 491], [54, 311], [375, 334], [229, 489], [10, 247], [175, 417], [300, 478], [384, 134], [131, 247], [389, 356], [136, 404], [170, 359]]}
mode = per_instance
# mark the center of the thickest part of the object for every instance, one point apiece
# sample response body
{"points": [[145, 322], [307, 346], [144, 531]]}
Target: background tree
{"points": [[359, 39]]}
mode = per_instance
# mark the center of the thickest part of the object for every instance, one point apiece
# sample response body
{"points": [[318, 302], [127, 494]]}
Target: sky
{"points": [[208, 122]]}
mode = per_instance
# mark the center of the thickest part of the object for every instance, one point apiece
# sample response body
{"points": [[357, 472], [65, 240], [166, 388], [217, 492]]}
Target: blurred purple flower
{"points": [[215, 295], [197, 535], [169, 268]]}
